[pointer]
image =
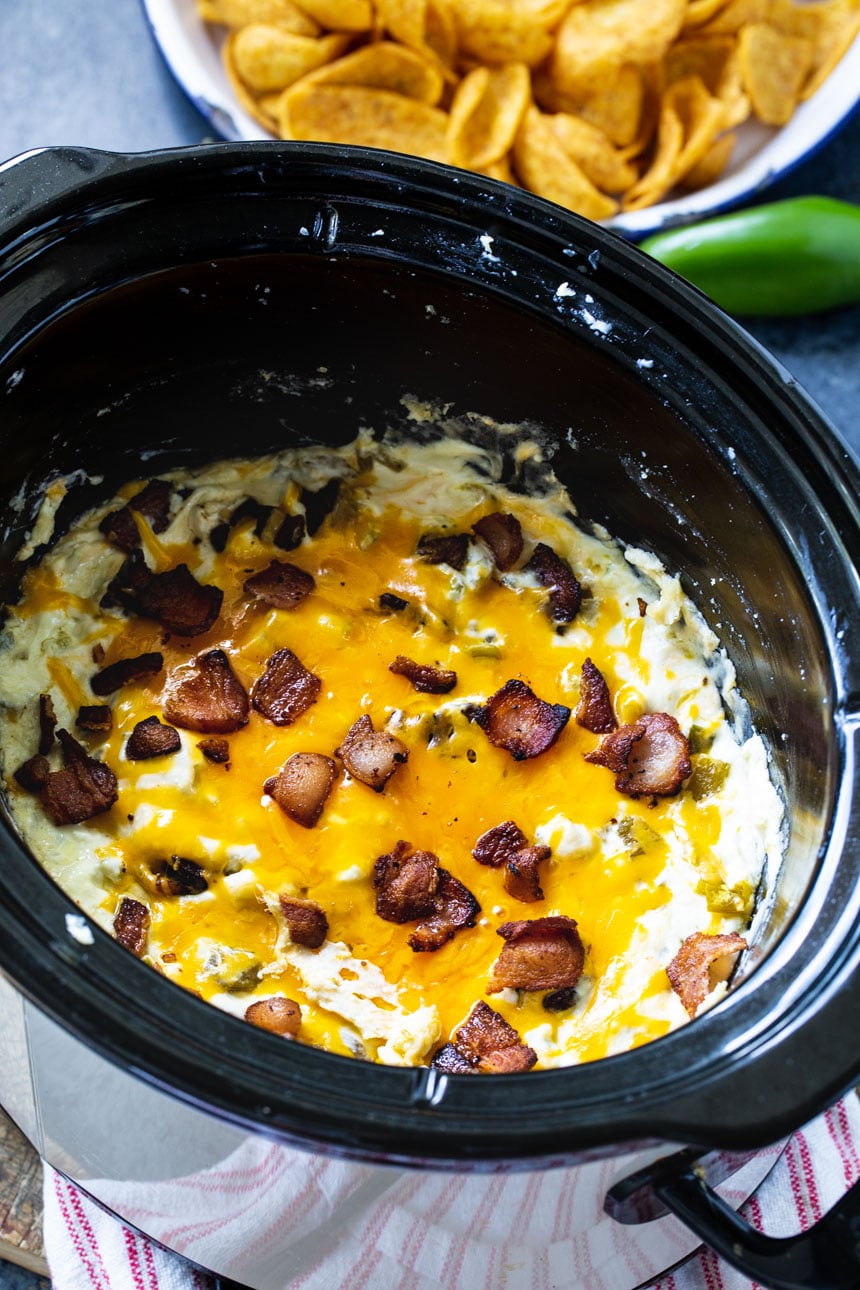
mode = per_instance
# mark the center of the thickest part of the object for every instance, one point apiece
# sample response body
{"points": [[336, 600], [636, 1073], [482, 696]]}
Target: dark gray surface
{"points": [[86, 72]]}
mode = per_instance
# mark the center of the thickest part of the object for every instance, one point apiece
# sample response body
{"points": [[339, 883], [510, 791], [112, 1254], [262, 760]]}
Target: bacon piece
{"points": [[131, 925], [215, 749], [522, 880], [518, 721], [179, 602], [594, 710], [538, 954], [426, 679], [503, 535], [454, 908], [393, 603], [565, 593], [559, 1000], [209, 697], [449, 549], [406, 882], [450, 1060], [125, 670], [290, 533], [690, 970], [498, 844], [82, 789], [488, 1042], [305, 920], [96, 717], [651, 756], [278, 1015], [47, 723], [181, 877], [153, 502], [281, 585], [285, 690], [302, 786], [151, 739], [32, 774], [643, 606], [371, 756], [129, 580]]}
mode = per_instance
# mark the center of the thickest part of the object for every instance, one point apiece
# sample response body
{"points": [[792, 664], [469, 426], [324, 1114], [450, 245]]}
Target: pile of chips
{"points": [[599, 105]]}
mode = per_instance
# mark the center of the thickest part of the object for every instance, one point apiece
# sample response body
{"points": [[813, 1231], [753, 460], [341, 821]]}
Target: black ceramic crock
{"points": [[168, 308]]}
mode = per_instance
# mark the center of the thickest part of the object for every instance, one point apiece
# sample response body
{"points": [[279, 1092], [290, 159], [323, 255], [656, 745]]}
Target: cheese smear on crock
{"points": [[637, 875]]}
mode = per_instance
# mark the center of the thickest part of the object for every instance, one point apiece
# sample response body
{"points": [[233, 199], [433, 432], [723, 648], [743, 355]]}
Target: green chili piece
{"points": [[785, 258]]}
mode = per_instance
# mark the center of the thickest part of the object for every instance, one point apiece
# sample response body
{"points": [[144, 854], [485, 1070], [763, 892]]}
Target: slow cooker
{"points": [[169, 308]]}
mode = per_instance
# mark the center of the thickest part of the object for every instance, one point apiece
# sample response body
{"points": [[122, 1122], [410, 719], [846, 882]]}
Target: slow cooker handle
{"points": [[34, 178], [825, 1257]]}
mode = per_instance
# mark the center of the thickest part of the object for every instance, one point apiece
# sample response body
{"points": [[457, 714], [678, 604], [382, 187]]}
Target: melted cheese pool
{"points": [[638, 875]]}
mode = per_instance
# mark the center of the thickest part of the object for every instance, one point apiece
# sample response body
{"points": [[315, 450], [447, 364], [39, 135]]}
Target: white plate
{"points": [[762, 154]]}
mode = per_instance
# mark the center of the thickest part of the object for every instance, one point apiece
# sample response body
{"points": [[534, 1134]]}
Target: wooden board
{"points": [[20, 1200]]}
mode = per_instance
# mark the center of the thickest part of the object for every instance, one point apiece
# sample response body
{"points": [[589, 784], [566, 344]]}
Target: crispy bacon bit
{"points": [[215, 749], [371, 756], [426, 679], [452, 1062], [278, 1015], [538, 954], [129, 580], [449, 549], [151, 739], [96, 717], [251, 509], [518, 721], [522, 880], [559, 1000], [503, 535], [290, 533], [498, 844], [594, 710], [395, 604], [565, 593], [131, 925], [285, 690], [405, 882], [454, 908], [689, 972], [281, 585], [153, 502], [643, 606], [179, 602], [82, 789], [181, 877], [32, 775], [302, 786], [98, 653], [490, 1044], [209, 698], [305, 920], [47, 723], [650, 757], [116, 675]]}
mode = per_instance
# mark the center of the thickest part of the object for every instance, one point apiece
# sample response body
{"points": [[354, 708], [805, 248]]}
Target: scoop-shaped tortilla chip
{"points": [[508, 31], [774, 67], [544, 167], [367, 117], [598, 38], [239, 13], [690, 121], [485, 114], [267, 58], [341, 15], [385, 66], [596, 156]]}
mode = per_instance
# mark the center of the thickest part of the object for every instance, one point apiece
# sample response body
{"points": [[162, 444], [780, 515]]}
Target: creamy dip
{"points": [[638, 874]]}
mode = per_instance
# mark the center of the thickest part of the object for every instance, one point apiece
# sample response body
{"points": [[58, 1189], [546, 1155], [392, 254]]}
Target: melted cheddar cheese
{"points": [[637, 875]]}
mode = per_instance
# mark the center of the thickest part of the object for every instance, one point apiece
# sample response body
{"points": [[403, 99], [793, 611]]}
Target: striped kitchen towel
{"points": [[282, 1219]]}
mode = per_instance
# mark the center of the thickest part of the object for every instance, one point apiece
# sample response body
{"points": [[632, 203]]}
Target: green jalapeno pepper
{"points": [[791, 257]]}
